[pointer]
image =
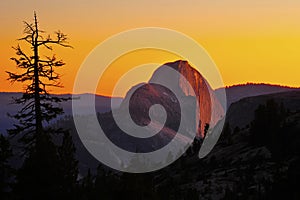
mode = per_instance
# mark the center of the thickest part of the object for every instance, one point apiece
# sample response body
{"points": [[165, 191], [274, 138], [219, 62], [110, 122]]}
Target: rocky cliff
{"points": [[188, 84]]}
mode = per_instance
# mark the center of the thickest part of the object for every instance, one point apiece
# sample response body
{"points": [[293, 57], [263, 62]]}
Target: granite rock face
{"points": [[172, 83]]}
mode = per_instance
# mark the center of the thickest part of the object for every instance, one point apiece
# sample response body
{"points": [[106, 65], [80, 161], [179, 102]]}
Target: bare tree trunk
{"points": [[38, 112]]}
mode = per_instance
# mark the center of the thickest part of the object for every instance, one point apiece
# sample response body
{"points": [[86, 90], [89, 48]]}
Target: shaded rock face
{"points": [[148, 95], [140, 104], [189, 85]]}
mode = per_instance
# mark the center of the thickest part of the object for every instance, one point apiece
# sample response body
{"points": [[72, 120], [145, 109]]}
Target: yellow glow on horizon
{"points": [[253, 41]]}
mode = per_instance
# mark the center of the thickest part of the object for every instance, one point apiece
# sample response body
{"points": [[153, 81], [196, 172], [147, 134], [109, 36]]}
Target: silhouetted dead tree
{"points": [[37, 74]]}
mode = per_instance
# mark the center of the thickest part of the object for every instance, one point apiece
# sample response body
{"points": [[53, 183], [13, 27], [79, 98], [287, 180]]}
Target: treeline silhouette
{"points": [[260, 161], [260, 84]]}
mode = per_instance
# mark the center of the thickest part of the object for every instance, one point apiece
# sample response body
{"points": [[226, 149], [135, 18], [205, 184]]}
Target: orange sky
{"points": [[253, 41]]}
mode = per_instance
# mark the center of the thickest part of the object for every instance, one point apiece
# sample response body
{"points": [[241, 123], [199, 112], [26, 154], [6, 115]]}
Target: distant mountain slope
{"points": [[237, 92], [102, 105], [241, 113]]}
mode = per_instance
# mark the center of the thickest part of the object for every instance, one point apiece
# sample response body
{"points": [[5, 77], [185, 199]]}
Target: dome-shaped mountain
{"points": [[188, 84]]}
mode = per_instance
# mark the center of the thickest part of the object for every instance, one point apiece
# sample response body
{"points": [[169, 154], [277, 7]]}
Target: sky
{"points": [[250, 41]]}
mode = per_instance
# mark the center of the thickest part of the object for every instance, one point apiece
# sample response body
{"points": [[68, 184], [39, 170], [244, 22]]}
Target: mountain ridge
{"points": [[237, 118], [236, 92], [103, 104]]}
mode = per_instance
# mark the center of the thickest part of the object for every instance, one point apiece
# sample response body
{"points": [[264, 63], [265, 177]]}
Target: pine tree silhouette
{"points": [[38, 74], [5, 168], [68, 166], [39, 177], [267, 126]]}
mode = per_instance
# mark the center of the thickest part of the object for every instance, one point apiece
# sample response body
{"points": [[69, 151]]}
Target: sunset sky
{"points": [[250, 41]]}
